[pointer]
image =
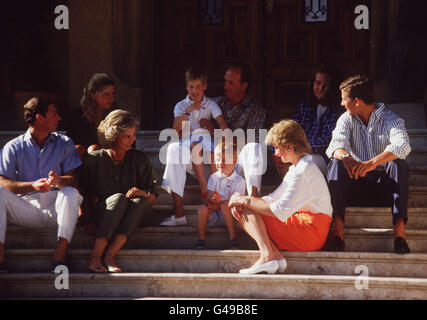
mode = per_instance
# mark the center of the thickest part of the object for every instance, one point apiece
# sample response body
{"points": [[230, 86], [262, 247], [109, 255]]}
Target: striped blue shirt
{"points": [[385, 133]]}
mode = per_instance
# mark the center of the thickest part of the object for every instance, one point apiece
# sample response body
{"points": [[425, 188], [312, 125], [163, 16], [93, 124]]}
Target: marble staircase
{"points": [[160, 261]]}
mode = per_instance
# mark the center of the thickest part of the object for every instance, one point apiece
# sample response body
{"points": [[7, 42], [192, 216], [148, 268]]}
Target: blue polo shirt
{"points": [[23, 160]]}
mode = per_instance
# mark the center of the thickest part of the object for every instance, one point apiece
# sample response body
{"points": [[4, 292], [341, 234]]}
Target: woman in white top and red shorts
{"points": [[297, 215]]}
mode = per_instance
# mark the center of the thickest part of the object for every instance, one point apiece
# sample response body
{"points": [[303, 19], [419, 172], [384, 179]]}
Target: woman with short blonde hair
{"points": [[116, 123], [297, 215], [120, 187]]}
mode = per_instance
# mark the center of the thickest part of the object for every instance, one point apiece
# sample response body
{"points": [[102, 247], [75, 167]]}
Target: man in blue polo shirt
{"points": [[37, 175]]}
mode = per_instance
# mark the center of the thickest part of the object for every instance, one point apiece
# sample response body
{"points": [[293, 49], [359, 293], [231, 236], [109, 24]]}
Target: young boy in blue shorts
{"points": [[221, 186]]}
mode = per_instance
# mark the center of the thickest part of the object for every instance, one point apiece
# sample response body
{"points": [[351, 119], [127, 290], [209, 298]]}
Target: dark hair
{"points": [[358, 86], [244, 70], [331, 97], [96, 83], [35, 106], [196, 73]]}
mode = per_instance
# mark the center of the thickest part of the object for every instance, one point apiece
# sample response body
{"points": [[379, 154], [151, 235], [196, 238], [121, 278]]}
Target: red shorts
{"points": [[303, 231]]}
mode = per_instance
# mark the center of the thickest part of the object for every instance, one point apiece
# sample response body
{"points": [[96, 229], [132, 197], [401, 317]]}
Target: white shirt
{"points": [[303, 189], [320, 111], [209, 110], [226, 186], [385, 132]]}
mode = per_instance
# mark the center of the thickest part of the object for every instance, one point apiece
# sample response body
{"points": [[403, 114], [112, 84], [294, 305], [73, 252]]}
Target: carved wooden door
{"points": [[278, 45], [188, 33], [293, 48]]}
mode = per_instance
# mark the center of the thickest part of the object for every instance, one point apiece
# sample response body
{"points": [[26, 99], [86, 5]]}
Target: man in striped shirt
{"points": [[368, 148]]}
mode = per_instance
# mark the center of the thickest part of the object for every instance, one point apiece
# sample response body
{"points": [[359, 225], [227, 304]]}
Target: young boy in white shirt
{"points": [[221, 186], [195, 108]]}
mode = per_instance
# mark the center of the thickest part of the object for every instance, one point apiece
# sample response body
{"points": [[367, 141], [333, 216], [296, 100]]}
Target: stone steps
{"points": [[185, 237], [355, 217], [214, 285], [159, 263], [228, 261], [213, 274], [417, 195]]}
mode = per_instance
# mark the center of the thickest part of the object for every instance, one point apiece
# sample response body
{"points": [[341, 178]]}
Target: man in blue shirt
{"points": [[37, 175]]}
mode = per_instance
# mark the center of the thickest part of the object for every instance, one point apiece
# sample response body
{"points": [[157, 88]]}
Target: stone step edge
{"points": [[410, 233], [225, 278], [236, 254], [216, 285], [192, 208], [195, 187]]}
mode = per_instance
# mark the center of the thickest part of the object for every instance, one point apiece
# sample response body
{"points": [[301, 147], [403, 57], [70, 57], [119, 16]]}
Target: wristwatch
{"points": [[247, 201], [345, 156]]}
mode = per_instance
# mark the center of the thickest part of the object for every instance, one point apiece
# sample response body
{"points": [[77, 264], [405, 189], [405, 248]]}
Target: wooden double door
{"points": [[278, 45]]}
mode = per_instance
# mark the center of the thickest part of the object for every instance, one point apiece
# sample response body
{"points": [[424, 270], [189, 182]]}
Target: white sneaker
{"points": [[173, 222]]}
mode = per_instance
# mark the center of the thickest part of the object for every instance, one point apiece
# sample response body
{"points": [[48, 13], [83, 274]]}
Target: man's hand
{"points": [[357, 169], [41, 185], [54, 179], [362, 168]]}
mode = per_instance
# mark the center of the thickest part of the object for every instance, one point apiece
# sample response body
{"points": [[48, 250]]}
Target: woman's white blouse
{"points": [[304, 188]]}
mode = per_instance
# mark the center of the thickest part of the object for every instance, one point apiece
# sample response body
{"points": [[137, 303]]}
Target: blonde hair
{"points": [[113, 125], [288, 132], [224, 149]]}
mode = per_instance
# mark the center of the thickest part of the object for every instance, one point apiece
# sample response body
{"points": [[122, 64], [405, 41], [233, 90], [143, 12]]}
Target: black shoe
{"points": [[401, 246], [200, 245], [3, 267], [234, 244], [335, 244]]}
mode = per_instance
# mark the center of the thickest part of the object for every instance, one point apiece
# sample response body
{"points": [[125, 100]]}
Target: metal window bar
{"points": [[210, 12], [316, 10]]}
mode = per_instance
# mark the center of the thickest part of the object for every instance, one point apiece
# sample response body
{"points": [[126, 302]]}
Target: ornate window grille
{"points": [[316, 10], [211, 12]]}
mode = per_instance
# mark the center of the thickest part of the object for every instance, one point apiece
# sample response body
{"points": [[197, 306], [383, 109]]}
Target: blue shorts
{"points": [[216, 219]]}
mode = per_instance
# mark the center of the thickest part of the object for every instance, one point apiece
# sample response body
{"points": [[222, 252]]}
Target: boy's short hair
{"points": [[196, 73], [226, 148], [358, 86]]}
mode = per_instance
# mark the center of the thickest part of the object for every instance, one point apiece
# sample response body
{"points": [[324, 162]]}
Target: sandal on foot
{"points": [[99, 269]]}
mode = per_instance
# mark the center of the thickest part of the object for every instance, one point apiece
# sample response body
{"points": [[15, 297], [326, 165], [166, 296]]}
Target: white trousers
{"points": [[250, 165], [53, 209]]}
